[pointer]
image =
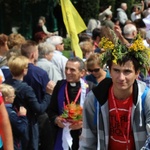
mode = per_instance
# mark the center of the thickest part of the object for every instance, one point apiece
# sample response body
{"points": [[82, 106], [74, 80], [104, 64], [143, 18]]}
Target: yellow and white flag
{"points": [[74, 25]]}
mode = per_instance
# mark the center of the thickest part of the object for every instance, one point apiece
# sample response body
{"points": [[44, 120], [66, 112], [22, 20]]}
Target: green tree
{"points": [[88, 9], [25, 13]]}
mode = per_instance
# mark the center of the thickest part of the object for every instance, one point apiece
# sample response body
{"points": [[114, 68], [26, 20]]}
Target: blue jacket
{"points": [[91, 78], [26, 97], [37, 78], [19, 126]]}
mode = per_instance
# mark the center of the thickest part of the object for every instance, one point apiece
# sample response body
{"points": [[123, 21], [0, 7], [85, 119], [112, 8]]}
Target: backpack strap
{"points": [[144, 98]]}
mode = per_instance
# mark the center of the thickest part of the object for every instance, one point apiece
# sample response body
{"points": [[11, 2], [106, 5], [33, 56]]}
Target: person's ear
{"points": [[137, 73], [24, 72], [6, 98], [83, 73], [32, 56], [134, 33]]}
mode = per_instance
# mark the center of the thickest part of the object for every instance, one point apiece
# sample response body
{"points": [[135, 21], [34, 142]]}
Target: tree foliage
{"points": [[25, 13], [88, 9]]}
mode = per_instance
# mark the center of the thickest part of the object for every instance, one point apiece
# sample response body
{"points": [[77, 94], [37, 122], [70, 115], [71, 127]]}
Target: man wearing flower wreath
{"points": [[123, 115], [68, 94]]}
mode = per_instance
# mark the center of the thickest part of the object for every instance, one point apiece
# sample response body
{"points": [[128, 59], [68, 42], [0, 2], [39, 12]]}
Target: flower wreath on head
{"points": [[116, 52]]}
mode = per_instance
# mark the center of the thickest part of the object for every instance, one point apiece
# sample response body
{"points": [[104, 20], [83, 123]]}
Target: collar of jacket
{"points": [[102, 89]]}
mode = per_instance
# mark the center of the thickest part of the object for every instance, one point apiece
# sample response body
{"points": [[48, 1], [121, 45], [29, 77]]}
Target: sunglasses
{"points": [[94, 70]]}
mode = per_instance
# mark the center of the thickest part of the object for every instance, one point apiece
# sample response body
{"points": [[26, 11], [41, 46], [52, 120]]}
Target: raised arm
{"points": [[118, 33]]}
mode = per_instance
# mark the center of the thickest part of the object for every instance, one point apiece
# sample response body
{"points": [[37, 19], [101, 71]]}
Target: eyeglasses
{"points": [[94, 70]]}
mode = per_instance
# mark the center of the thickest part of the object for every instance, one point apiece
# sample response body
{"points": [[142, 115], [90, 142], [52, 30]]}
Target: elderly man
{"points": [[73, 89], [58, 59], [121, 14], [129, 32]]}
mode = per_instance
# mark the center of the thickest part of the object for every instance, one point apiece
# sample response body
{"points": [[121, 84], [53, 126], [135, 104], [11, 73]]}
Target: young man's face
{"points": [[73, 74], [123, 76]]}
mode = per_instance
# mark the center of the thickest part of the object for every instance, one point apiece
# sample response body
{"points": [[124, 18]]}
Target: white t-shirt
{"points": [[135, 17]]}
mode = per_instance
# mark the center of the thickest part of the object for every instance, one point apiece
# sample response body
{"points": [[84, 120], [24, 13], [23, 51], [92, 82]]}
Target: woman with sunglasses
{"points": [[96, 73]]}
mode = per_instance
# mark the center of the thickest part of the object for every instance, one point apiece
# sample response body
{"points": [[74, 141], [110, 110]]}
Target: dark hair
{"points": [[104, 31], [128, 57], [96, 32], [139, 23], [79, 60], [84, 37], [133, 8]]}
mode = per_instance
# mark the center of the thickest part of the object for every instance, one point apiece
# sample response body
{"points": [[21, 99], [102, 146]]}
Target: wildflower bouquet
{"points": [[115, 52], [72, 112]]}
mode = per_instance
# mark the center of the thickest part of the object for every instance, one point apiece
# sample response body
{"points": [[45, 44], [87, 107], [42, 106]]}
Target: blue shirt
{"points": [[37, 78], [93, 79]]}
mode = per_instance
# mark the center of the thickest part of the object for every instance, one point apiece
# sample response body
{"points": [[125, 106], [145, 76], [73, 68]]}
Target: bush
{"points": [[67, 43]]}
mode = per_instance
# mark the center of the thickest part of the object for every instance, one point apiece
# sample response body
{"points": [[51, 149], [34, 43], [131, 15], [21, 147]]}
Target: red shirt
{"points": [[1, 98], [119, 124], [95, 45]]}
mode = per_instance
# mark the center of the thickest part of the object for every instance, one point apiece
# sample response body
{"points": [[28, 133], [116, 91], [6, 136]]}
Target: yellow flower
{"points": [[106, 44], [117, 51], [115, 61]]}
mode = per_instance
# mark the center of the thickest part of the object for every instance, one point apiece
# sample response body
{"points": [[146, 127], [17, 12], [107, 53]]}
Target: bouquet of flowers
{"points": [[72, 112]]}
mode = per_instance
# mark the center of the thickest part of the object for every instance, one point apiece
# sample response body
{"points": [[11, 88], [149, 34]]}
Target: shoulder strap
{"points": [[144, 98]]}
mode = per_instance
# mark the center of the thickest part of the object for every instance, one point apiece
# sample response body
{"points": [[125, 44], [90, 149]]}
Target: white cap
{"points": [[54, 40]]}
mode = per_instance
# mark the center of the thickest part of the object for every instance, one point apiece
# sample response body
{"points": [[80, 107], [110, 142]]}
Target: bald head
{"points": [[130, 30], [124, 6]]}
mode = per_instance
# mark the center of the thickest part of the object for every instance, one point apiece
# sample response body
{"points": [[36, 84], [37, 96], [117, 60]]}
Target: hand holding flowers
{"points": [[72, 112]]}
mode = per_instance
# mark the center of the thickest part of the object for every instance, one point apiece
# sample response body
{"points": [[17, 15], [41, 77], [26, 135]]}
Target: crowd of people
{"points": [[110, 83]]}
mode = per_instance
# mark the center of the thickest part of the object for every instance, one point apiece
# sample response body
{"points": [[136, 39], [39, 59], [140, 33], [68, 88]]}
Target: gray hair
{"points": [[79, 60], [128, 29], [45, 48]]}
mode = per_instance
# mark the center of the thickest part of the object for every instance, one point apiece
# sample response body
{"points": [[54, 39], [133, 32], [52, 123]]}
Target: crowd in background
{"points": [[33, 71]]}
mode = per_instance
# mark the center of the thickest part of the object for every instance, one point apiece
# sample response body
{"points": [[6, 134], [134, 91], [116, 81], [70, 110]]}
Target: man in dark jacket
{"points": [[73, 89]]}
